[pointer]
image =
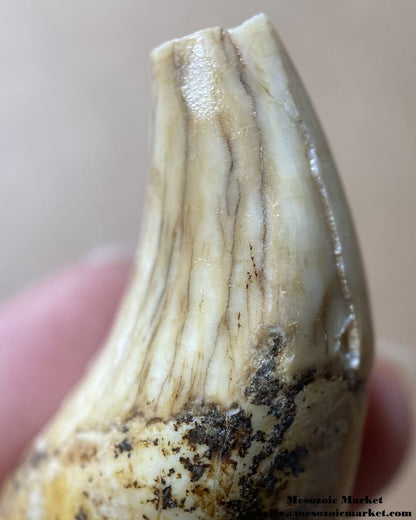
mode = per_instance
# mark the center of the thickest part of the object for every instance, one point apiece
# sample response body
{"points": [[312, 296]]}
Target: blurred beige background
{"points": [[74, 112]]}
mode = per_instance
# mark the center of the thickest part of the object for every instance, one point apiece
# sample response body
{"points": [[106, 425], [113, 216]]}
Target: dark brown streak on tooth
{"points": [[217, 331], [226, 316], [165, 282], [221, 228], [225, 320], [244, 80], [152, 274], [176, 234], [178, 340], [180, 64], [163, 208], [231, 168], [185, 318], [146, 362], [230, 275]]}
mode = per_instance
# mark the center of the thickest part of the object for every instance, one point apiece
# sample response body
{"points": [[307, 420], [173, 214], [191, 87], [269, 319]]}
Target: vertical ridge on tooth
{"points": [[235, 373]]}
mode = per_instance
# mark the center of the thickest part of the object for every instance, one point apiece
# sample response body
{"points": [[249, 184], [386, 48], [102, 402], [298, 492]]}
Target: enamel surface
{"points": [[235, 374]]}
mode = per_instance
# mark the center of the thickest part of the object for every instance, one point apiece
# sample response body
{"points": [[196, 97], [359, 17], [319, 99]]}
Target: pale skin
{"points": [[50, 330]]}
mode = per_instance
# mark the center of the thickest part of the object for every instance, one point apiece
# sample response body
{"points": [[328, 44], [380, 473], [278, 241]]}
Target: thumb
{"points": [[48, 333]]}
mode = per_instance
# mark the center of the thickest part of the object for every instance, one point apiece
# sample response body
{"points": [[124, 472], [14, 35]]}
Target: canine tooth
{"points": [[235, 374]]}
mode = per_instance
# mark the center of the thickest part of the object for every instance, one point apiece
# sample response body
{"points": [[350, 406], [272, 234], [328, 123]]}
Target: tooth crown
{"points": [[235, 373]]}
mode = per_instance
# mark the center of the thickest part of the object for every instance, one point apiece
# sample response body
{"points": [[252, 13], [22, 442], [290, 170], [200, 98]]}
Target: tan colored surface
{"points": [[74, 115]]}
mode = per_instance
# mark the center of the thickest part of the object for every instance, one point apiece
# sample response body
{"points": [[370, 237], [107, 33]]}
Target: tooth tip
{"points": [[260, 21]]}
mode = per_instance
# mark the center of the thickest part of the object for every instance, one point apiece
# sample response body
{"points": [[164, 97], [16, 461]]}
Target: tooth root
{"points": [[235, 373]]}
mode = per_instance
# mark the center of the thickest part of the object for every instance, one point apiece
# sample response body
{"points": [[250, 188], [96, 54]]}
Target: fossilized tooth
{"points": [[235, 374]]}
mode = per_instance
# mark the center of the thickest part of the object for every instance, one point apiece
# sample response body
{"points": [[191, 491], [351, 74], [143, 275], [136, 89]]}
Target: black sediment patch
{"points": [[229, 435], [123, 446], [195, 467], [81, 515], [222, 432], [37, 458], [167, 500]]}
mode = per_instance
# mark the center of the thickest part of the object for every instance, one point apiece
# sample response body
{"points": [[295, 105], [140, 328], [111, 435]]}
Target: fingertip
{"points": [[387, 432], [48, 333]]}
